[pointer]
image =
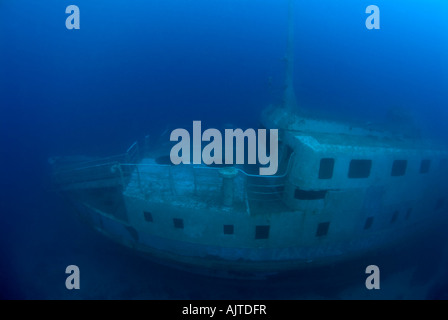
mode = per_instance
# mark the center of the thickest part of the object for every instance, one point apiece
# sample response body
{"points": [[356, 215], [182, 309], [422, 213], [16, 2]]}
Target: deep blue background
{"points": [[138, 67]]}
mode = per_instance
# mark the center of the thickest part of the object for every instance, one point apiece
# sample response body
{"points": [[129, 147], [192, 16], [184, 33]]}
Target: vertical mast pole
{"points": [[290, 101]]}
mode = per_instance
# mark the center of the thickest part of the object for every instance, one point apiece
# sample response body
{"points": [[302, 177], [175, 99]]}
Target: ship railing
{"points": [[267, 188], [207, 181], [202, 180], [133, 153], [98, 172]]}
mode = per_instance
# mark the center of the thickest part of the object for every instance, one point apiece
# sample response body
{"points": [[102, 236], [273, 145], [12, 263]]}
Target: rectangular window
{"points": [[228, 229], [322, 229], [359, 169], [326, 168], [261, 232], [309, 194], [424, 166], [368, 224], [148, 216], [178, 223], [399, 168]]}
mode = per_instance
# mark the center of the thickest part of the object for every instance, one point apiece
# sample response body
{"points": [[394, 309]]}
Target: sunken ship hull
{"points": [[340, 192]]}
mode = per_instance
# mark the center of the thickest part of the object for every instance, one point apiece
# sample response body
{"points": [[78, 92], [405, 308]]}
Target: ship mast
{"points": [[289, 100]]}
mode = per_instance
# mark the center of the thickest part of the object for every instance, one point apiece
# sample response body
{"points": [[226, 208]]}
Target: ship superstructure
{"points": [[340, 190]]}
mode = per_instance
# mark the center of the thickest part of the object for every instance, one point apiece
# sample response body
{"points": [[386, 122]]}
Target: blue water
{"points": [[138, 67]]}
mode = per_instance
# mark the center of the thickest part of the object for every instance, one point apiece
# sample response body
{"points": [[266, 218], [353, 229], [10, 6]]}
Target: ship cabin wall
{"points": [[350, 189]]}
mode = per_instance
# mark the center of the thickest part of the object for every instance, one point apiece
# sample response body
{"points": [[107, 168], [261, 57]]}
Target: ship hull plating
{"points": [[246, 263], [340, 192]]}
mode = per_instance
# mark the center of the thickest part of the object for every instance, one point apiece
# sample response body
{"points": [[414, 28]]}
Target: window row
{"points": [[360, 168], [262, 231]]}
